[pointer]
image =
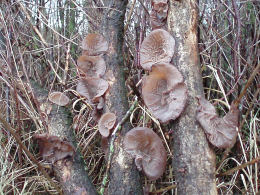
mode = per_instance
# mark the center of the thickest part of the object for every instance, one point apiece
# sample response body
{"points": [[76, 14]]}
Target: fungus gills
{"points": [[148, 150]]}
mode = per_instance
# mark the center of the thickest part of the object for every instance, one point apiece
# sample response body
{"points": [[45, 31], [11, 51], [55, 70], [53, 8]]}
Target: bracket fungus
{"points": [[94, 44], [106, 123], [221, 132], [92, 88], [147, 148], [52, 148], [164, 92], [159, 13], [157, 47], [91, 66], [59, 98]]}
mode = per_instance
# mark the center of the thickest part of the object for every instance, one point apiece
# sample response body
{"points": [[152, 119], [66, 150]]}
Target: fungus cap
{"points": [[94, 44], [164, 92], [91, 66], [148, 150], [59, 98], [157, 47], [92, 88], [221, 132], [106, 123]]}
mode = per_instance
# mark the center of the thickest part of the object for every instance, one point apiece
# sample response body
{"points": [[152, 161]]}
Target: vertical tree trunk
{"points": [[123, 177], [194, 161]]}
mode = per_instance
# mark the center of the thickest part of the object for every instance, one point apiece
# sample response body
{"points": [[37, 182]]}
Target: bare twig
{"points": [[229, 172], [250, 80]]}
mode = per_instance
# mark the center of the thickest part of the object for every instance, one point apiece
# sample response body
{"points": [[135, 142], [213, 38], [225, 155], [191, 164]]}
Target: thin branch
{"points": [[250, 80], [229, 172]]}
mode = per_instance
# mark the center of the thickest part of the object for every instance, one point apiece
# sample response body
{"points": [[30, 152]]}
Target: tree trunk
{"points": [[123, 177], [70, 172], [194, 161]]}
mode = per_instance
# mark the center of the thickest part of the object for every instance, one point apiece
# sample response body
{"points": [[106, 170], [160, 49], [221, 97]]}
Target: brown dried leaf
{"points": [[164, 92], [59, 98], [92, 88], [148, 150], [91, 66], [157, 47], [221, 132], [94, 44], [52, 148]]}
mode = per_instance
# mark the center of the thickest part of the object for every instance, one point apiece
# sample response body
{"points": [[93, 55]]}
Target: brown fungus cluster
{"points": [[91, 68], [163, 90], [52, 148], [93, 82]]}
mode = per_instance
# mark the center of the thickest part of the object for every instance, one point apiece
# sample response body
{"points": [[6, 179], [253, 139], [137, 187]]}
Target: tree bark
{"points": [[194, 161], [70, 172], [123, 176]]}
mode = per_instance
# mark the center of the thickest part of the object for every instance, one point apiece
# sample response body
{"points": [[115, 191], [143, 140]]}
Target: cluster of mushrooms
{"points": [[164, 93]]}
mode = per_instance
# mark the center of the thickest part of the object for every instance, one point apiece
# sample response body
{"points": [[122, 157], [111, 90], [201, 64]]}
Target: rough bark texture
{"points": [[194, 161], [70, 173], [123, 176]]}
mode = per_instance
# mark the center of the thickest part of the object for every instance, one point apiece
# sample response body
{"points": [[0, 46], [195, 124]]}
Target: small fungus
{"points": [[92, 88], [148, 150], [94, 44], [164, 92], [156, 23], [59, 98], [91, 66], [157, 47], [159, 13], [106, 123], [52, 148], [221, 132]]}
